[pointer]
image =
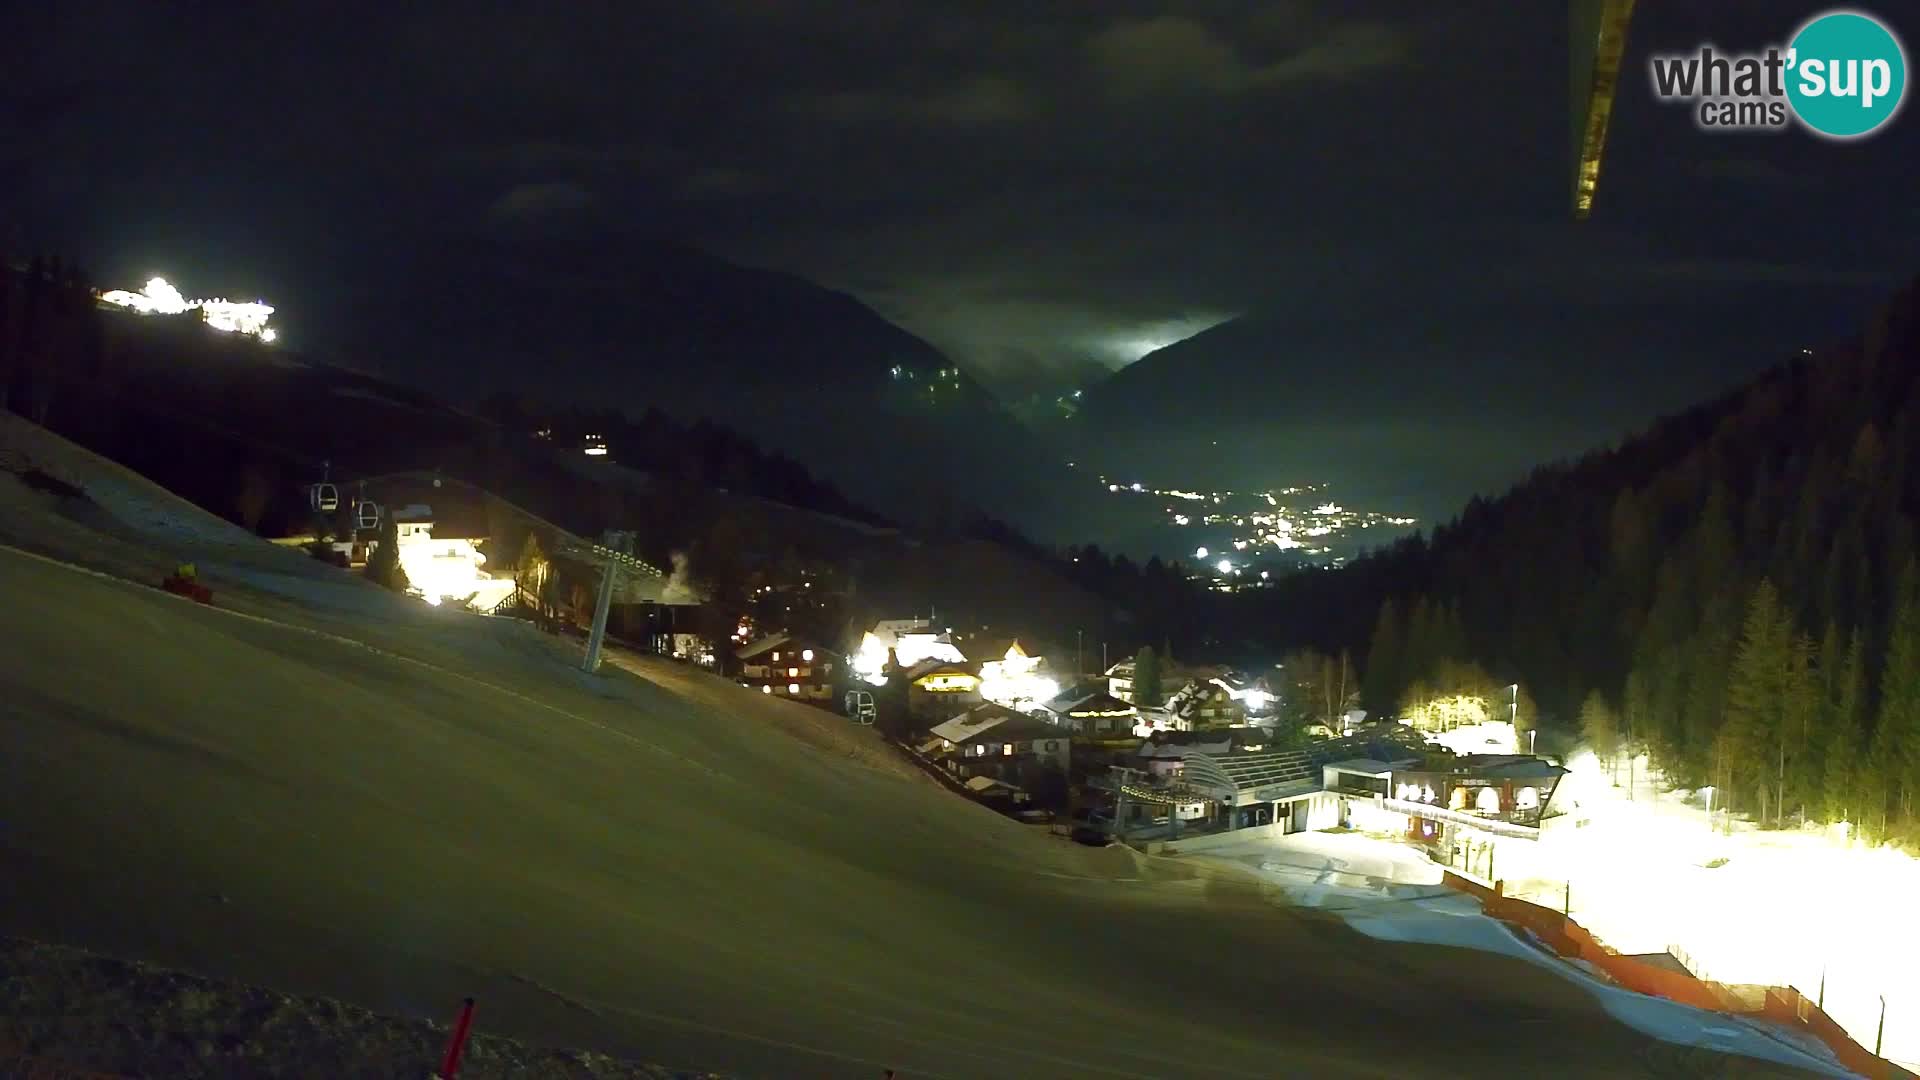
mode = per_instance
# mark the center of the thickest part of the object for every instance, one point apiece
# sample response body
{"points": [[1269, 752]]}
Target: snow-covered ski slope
{"points": [[656, 864], [1390, 891], [127, 525], [131, 499]]}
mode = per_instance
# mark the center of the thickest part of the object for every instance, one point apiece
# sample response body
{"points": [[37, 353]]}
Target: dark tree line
{"points": [[1734, 588], [700, 453], [129, 388], [51, 333], [1162, 605]]}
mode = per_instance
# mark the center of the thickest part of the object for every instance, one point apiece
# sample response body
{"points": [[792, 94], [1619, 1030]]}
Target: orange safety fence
{"points": [[1783, 1005], [1788, 1006]]}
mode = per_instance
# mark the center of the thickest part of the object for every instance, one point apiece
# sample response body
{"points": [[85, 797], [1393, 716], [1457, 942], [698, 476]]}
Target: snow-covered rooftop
{"points": [[1365, 766]]}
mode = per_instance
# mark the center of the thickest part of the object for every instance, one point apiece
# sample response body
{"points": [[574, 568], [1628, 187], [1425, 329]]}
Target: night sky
{"points": [[1040, 189]]}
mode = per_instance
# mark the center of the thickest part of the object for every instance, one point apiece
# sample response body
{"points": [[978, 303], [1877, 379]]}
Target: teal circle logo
{"points": [[1846, 75]]}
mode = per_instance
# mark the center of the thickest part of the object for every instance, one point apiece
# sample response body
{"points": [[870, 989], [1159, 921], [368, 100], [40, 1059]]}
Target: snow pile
{"points": [[1492, 737], [81, 1011]]}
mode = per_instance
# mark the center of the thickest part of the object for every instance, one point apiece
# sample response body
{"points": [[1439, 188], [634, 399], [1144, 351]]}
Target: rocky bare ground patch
{"points": [[67, 1014]]}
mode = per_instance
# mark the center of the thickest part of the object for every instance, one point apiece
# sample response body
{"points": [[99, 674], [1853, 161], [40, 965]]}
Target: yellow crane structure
{"points": [[1598, 40]]}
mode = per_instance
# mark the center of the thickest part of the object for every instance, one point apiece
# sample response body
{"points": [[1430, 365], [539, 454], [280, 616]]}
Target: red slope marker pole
{"points": [[458, 1044]]}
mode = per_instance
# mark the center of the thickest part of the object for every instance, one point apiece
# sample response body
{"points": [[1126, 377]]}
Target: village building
{"points": [[689, 648], [938, 689], [905, 642], [789, 666], [1094, 716], [1202, 704], [994, 741], [1016, 679], [1254, 695], [441, 554], [1385, 779]]}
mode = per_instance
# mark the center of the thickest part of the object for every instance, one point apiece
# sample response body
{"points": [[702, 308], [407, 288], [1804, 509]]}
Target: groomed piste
{"points": [[399, 807]]}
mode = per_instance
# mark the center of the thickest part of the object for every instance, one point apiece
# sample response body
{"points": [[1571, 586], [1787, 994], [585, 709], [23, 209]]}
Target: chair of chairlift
{"points": [[324, 497]]}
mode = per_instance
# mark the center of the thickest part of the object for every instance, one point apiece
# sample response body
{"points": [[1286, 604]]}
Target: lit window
{"points": [[807, 655], [776, 656], [793, 688], [1489, 801], [793, 673], [1006, 749]]}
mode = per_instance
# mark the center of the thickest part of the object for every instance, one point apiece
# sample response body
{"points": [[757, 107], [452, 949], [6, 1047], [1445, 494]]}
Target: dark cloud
{"points": [[1753, 170], [540, 200], [983, 101], [1039, 187], [721, 182], [1165, 54], [1173, 54], [1748, 271]]}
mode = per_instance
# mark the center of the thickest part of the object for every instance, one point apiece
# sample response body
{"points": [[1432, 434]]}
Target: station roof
{"points": [[1278, 774], [1508, 766], [1260, 777], [1370, 766]]}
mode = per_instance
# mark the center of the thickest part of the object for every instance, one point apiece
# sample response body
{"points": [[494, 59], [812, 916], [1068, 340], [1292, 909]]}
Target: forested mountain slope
{"points": [[1737, 586]]}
